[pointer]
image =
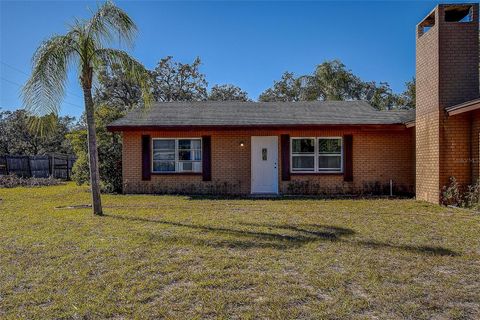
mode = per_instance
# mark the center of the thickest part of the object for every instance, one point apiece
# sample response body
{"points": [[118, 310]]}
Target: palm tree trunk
{"points": [[92, 151]]}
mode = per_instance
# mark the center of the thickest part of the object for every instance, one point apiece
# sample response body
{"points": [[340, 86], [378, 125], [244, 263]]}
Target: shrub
{"points": [[80, 170], [451, 194], [109, 151], [472, 196], [12, 181]]}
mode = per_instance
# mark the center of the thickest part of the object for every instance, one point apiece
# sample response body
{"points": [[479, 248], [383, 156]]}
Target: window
{"points": [[264, 154], [176, 155], [330, 154], [317, 154], [163, 155], [303, 154]]}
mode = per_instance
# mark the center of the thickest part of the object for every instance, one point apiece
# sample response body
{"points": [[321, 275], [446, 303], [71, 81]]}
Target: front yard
{"points": [[182, 258]]}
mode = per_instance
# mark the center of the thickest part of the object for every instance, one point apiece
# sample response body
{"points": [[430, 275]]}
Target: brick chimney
{"points": [[447, 73]]}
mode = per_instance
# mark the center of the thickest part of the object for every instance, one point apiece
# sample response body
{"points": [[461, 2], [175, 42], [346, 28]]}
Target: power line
{"points": [[23, 72], [20, 86]]}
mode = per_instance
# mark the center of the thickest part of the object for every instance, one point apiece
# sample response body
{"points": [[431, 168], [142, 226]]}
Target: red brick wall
{"points": [[459, 82], [459, 57], [378, 156], [455, 150], [475, 145], [447, 63]]}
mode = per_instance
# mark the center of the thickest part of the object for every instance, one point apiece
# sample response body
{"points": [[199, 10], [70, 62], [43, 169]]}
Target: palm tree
{"points": [[84, 46]]}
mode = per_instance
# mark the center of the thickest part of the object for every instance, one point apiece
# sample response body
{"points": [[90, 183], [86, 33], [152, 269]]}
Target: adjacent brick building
{"points": [[447, 63], [323, 146]]}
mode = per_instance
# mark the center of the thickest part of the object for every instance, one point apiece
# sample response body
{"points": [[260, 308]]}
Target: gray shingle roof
{"points": [[208, 113]]}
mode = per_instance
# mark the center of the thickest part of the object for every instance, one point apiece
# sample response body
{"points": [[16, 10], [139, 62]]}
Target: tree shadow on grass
{"points": [[335, 233], [251, 238], [325, 232], [429, 250], [299, 235]]}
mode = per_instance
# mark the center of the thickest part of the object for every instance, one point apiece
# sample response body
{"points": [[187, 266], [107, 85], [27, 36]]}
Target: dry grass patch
{"points": [[181, 258]]}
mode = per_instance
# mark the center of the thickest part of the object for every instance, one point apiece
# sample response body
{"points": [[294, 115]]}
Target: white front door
{"points": [[264, 164]]}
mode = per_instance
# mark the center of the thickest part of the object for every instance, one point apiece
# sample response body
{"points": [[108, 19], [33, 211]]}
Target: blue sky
{"points": [[248, 44]]}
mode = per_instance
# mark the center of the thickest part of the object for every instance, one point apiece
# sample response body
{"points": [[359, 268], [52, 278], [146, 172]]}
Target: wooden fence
{"points": [[55, 165]]}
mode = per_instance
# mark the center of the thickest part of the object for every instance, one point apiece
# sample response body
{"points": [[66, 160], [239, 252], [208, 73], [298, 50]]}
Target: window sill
{"points": [[316, 173], [176, 173]]}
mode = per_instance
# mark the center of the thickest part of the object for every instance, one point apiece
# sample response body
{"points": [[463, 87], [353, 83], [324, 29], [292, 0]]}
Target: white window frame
{"points": [[177, 161], [328, 170], [316, 154]]}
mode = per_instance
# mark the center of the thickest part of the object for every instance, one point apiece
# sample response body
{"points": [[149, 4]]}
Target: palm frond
{"points": [[133, 69], [111, 23], [45, 89], [42, 125]]}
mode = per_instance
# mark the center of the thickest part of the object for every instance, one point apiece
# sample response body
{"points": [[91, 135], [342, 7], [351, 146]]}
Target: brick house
{"points": [[322, 146]]}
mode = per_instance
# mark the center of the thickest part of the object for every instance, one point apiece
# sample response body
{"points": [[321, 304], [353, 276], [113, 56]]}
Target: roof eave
{"points": [[120, 128], [410, 124], [464, 107]]}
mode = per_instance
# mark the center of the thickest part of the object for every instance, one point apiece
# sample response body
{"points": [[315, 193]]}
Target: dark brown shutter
{"points": [[207, 158], [348, 152], [146, 160], [285, 149]]}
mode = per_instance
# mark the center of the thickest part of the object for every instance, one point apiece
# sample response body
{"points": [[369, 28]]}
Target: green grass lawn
{"points": [[184, 258]]}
